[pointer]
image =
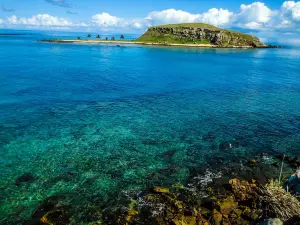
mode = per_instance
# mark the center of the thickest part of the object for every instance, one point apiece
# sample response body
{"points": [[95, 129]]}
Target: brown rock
{"points": [[217, 217], [227, 205], [157, 189]]}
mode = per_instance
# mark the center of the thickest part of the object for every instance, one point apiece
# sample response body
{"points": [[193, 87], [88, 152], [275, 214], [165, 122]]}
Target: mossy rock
{"points": [[157, 189], [227, 205]]}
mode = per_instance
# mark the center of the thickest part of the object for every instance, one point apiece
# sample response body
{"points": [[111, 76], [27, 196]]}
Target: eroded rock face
{"points": [[220, 37]]}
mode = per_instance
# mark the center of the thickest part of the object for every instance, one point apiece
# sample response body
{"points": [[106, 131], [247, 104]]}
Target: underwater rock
{"points": [[57, 217], [298, 173], [25, 178], [168, 154], [131, 213], [51, 211], [157, 189], [252, 162], [293, 162], [228, 145], [209, 137]]}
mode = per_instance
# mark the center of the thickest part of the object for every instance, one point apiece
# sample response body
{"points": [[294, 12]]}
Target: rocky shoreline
{"points": [[247, 194]]}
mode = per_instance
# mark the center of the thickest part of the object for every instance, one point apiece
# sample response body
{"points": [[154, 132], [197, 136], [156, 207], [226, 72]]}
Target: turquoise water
{"points": [[88, 122]]}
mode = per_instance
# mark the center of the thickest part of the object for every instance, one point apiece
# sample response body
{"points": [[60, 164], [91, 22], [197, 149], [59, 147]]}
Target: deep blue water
{"points": [[96, 120]]}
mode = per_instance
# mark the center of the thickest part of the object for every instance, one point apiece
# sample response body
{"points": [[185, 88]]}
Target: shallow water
{"points": [[91, 121]]}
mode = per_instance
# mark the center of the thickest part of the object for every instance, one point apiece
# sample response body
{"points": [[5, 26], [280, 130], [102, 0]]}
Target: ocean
{"points": [[87, 122]]}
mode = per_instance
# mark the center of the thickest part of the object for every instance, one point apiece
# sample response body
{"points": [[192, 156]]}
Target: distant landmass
{"points": [[199, 33], [186, 35]]}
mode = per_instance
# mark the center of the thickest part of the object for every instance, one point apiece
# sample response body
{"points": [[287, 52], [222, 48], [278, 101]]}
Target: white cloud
{"points": [[106, 20], [39, 20], [1, 21], [213, 16], [171, 16], [137, 25], [253, 16], [216, 17], [291, 10]]}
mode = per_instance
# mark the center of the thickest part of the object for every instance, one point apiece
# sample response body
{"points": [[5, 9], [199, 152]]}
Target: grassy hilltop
{"points": [[198, 33]]}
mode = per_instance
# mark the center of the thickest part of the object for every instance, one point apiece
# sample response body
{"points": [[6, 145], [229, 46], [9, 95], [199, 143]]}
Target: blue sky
{"points": [[270, 20], [125, 9]]}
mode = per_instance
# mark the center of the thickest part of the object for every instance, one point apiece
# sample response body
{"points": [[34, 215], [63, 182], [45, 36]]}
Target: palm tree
{"points": [[106, 38], [122, 37], [78, 38], [98, 36], [89, 36], [113, 38]]}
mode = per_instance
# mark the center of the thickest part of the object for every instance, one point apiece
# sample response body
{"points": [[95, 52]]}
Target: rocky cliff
{"points": [[199, 34]]}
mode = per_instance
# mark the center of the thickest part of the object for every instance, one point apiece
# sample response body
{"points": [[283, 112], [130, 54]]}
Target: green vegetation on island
{"points": [[198, 33]]}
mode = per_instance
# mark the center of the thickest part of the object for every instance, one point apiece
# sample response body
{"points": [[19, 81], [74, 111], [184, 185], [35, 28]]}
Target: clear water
{"points": [[91, 121]]}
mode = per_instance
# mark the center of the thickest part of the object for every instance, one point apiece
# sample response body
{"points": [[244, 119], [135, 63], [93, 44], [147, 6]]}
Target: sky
{"points": [[270, 20]]}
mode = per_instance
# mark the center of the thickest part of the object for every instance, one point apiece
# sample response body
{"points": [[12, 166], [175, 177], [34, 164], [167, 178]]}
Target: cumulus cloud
{"points": [[213, 16], [106, 20], [60, 3], [288, 18], [1, 21], [216, 17], [291, 10], [171, 16], [253, 16], [39, 20]]}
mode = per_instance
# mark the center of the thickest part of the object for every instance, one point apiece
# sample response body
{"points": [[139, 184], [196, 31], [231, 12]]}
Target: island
{"points": [[187, 35]]}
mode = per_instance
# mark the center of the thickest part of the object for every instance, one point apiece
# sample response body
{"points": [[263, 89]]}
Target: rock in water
{"points": [[25, 178], [157, 189], [293, 183], [274, 221], [298, 173]]}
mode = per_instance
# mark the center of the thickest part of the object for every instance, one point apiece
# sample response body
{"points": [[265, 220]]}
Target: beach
{"points": [[121, 42]]}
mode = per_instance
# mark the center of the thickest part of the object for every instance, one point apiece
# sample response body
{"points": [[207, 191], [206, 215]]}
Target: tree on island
{"points": [[113, 39], [89, 36], [122, 37], [98, 36], [78, 38], [106, 38]]}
